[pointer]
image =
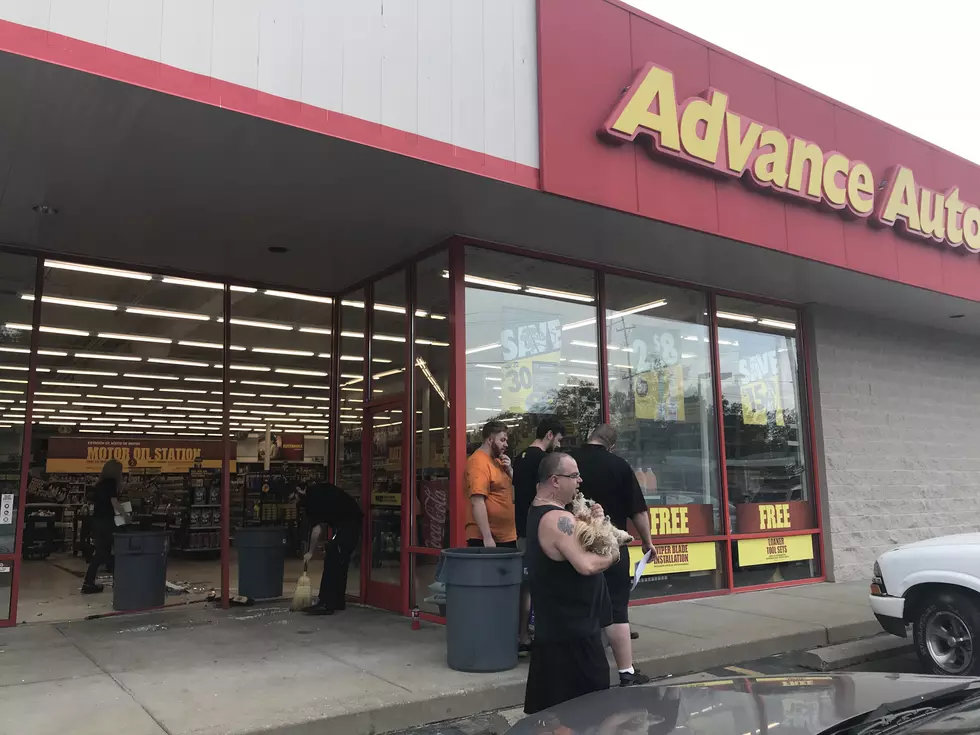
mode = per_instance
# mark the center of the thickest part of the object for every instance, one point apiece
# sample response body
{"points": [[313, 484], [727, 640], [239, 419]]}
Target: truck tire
{"points": [[946, 632]]}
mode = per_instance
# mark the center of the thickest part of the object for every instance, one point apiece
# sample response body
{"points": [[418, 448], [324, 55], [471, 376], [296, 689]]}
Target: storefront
{"points": [[237, 284]]}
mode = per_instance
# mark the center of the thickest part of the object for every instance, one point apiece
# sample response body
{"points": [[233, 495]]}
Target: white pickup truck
{"points": [[934, 586]]}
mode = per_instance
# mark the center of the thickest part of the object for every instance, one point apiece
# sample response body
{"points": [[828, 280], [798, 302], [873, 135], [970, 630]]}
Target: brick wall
{"points": [[900, 410]]}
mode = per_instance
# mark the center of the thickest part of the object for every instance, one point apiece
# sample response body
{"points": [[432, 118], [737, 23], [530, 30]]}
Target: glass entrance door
{"points": [[384, 480]]}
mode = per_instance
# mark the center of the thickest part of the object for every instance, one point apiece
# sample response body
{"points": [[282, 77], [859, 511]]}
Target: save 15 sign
{"points": [[532, 354], [760, 389]]}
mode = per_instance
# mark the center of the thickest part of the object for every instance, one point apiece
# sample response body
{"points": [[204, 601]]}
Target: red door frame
{"points": [[380, 594]]}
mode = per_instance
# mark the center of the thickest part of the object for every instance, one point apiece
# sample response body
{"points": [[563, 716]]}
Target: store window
{"points": [[431, 502], [130, 369], [350, 409], [769, 486], [280, 416], [531, 347], [661, 401], [17, 275]]}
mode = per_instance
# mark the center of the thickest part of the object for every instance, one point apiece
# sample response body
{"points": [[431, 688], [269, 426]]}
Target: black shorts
{"points": [[563, 670], [618, 582], [477, 543]]}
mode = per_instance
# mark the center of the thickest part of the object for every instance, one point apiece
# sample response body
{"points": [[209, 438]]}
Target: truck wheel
{"points": [[946, 630]]}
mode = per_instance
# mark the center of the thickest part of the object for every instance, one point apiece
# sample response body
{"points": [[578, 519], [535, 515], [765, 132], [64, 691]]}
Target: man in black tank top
{"points": [[571, 603]]}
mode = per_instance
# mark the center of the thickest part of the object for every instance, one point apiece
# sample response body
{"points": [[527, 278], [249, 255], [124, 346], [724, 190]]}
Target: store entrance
{"points": [[383, 481]]}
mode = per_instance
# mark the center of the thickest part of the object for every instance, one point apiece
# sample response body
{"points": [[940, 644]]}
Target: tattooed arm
{"points": [[557, 536]]}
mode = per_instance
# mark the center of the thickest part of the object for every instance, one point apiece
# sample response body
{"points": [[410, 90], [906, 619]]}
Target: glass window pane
{"points": [[765, 440], [131, 370], [680, 569], [280, 402], [428, 595], [531, 348], [661, 401], [16, 307], [432, 355]]}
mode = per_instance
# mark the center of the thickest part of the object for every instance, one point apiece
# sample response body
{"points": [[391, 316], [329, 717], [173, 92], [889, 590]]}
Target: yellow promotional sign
{"points": [[755, 551], [527, 382], [674, 558], [659, 394], [761, 398], [389, 499]]}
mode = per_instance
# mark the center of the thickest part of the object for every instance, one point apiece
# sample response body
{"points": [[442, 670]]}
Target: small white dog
{"points": [[597, 535]]}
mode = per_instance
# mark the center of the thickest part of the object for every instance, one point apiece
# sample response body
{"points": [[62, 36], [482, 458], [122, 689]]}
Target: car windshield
{"points": [[963, 717]]}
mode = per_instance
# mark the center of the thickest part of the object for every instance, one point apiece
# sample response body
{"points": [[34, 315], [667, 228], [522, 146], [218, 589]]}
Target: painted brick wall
{"points": [[900, 408]]}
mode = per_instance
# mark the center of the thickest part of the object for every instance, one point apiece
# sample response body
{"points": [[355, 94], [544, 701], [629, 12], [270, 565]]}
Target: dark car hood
{"points": [[785, 705]]}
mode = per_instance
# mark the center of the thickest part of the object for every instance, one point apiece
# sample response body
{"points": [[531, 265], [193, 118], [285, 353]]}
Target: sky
{"points": [[912, 64]]}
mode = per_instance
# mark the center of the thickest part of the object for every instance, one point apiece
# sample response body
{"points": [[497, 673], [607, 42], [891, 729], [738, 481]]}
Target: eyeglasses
{"points": [[573, 476]]}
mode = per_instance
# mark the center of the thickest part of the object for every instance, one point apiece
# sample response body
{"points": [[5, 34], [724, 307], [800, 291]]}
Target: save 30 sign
{"points": [[760, 389], [532, 354]]}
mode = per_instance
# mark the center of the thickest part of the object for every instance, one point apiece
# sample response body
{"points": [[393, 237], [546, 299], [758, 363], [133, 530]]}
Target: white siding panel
{"points": [[85, 20], [400, 65], [526, 81], [463, 72], [498, 72], [467, 65], [281, 48], [362, 60], [235, 45], [135, 27], [187, 35], [33, 13], [323, 54], [435, 93]]}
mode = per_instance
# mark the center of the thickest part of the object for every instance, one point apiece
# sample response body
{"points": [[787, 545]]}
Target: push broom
{"points": [[303, 596]]}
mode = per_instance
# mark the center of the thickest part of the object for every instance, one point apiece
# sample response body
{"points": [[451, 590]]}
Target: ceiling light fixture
{"points": [[736, 317], [538, 291], [72, 371], [99, 356], [261, 325], [298, 296], [279, 351], [135, 338], [97, 270], [776, 324], [312, 373], [143, 311], [146, 376], [60, 301], [314, 330], [168, 361]]}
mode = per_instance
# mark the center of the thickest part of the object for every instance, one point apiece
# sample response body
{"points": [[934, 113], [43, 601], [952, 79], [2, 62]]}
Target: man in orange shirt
{"points": [[490, 488]]}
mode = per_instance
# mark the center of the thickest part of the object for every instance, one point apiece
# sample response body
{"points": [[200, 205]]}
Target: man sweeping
{"points": [[328, 507]]}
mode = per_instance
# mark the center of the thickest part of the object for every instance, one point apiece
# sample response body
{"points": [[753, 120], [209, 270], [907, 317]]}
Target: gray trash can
{"points": [[483, 592], [140, 579], [261, 561]]}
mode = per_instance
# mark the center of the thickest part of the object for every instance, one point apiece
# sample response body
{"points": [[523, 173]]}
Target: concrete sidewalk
{"points": [[249, 670]]}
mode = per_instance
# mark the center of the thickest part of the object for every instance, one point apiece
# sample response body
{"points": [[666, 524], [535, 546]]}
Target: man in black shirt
{"points": [[105, 508], [327, 506], [570, 597], [549, 435], [609, 480]]}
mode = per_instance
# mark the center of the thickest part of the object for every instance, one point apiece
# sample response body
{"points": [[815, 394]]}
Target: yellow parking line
{"points": [[743, 672]]}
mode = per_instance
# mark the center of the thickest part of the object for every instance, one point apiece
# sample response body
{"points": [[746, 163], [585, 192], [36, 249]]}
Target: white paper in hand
{"points": [[640, 566]]}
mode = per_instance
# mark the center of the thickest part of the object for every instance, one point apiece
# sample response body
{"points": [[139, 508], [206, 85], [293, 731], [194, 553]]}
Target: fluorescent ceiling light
{"points": [[736, 317], [777, 324], [480, 281], [95, 404], [312, 387], [109, 398], [61, 301], [389, 338], [278, 351], [353, 335], [250, 368], [637, 309], [267, 383], [354, 304], [432, 381], [168, 361], [433, 342], [148, 376], [312, 373], [244, 289], [537, 291], [204, 380], [98, 356], [127, 387], [487, 366], [482, 348], [97, 270], [391, 308], [16, 350], [193, 282], [72, 371], [261, 325], [298, 296], [183, 390], [48, 330], [68, 384], [386, 373], [135, 338], [209, 345], [314, 330], [143, 311]]}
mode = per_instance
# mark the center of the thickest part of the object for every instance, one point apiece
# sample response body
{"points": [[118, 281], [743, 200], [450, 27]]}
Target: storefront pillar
{"points": [[720, 413], [457, 391]]}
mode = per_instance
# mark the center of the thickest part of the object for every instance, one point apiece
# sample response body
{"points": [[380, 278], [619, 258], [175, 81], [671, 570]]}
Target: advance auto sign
{"points": [[704, 132]]}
